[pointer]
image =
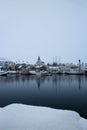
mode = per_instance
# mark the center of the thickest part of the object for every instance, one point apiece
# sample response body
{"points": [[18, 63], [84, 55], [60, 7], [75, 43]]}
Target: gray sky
{"points": [[46, 28]]}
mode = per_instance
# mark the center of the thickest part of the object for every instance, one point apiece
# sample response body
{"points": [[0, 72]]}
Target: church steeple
{"points": [[38, 58], [39, 62]]}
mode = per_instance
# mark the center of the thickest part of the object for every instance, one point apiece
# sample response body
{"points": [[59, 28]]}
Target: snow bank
{"points": [[23, 117]]}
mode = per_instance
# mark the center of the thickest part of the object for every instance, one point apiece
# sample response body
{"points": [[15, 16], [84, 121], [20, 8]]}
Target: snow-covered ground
{"points": [[23, 117]]}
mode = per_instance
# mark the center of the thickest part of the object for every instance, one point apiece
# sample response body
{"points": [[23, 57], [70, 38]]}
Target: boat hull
{"points": [[3, 73]]}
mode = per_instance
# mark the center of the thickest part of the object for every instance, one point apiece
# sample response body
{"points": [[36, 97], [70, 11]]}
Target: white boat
{"points": [[12, 72], [45, 73], [75, 72], [3, 73], [40, 73], [32, 72]]}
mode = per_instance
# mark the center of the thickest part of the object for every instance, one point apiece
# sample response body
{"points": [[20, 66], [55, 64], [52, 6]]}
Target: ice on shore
{"points": [[24, 117]]}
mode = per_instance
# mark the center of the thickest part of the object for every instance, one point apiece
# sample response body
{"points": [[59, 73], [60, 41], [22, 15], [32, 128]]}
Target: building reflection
{"points": [[56, 81]]}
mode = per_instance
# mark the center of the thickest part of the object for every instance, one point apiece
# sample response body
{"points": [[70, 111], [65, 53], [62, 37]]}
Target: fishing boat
{"points": [[25, 72], [3, 73], [75, 72], [45, 73], [12, 72], [32, 72], [85, 71]]}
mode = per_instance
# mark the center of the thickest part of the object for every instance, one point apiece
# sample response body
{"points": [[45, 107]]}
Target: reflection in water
{"points": [[55, 80], [57, 91], [79, 82]]}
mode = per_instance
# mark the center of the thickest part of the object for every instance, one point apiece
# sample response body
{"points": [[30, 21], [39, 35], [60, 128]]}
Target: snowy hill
{"points": [[23, 117]]}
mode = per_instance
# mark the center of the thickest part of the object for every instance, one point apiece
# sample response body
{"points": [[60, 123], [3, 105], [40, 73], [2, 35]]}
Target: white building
{"points": [[39, 62]]}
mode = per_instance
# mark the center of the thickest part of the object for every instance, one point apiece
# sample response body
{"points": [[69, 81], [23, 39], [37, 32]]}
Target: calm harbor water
{"points": [[57, 91]]}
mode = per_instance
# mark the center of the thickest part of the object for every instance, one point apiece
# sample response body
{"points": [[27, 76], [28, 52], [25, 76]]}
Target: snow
{"points": [[24, 117]]}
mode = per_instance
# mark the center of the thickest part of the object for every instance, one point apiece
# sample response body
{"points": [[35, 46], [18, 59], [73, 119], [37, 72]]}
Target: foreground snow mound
{"points": [[23, 117]]}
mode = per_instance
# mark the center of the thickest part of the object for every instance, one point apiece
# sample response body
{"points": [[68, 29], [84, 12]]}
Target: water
{"points": [[57, 91]]}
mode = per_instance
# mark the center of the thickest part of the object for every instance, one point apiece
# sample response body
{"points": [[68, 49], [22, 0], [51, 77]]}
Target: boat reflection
{"points": [[56, 81]]}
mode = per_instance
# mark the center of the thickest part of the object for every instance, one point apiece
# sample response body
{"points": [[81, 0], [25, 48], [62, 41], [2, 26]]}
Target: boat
{"points": [[12, 72], [57, 72], [86, 72], [45, 73], [25, 72], [32, 72], [3, 73], [75, 72]]}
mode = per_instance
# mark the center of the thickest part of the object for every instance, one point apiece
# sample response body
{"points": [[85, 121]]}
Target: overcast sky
{"points": [[46, 28]]}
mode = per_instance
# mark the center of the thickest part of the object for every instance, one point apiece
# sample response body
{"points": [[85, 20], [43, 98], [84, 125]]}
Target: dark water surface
{"points": [[57, 91]]}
